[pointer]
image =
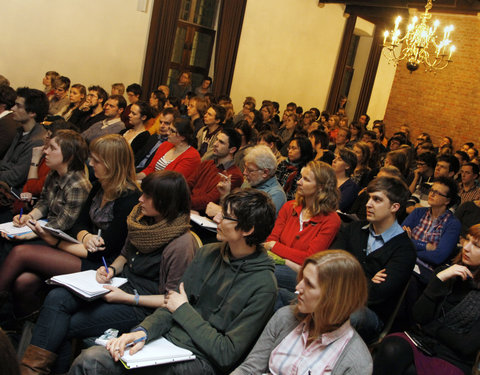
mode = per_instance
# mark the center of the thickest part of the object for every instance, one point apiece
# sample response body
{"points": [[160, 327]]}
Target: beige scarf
{"points": [[148, 238]]}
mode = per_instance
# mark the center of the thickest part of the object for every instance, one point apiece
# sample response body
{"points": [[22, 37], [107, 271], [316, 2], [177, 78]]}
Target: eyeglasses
{"points": [[436, 192], [228, 218], [248, 170]]}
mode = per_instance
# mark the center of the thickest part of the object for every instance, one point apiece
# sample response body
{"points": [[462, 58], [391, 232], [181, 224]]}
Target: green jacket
{"points": [[230, 301]]}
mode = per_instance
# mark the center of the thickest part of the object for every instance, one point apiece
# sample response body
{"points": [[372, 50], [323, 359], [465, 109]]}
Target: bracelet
{"points": [[136, 299], [114, 270], [58, 243], [85, 235], [34, 164]]}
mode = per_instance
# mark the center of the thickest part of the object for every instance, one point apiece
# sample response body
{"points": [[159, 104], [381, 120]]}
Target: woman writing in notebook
{"points": [[158, 249], [110, 201]]}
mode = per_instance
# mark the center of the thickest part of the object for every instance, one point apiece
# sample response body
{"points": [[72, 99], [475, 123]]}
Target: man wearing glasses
{"points": [[92, 110], [112, 124]]}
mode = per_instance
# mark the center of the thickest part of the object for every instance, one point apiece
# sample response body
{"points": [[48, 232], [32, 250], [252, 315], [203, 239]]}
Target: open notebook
{"points": [[157, 352], [11, 230], [85, 284]]}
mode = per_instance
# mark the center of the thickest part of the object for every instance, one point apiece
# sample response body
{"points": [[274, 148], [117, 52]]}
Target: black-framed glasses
{"points": [[224, 217], [436, 192]]}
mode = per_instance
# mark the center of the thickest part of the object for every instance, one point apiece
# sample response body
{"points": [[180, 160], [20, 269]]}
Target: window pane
{"points": [[179, 43], [201, 49]]}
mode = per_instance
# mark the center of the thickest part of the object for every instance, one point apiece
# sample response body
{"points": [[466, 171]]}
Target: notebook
{"points": [[11, 230], [85, 284], [157, 352]]}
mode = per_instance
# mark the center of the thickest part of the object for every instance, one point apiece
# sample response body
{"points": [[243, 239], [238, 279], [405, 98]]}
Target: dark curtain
{"points": [[228, 38], [160, 44], [341, 62]]}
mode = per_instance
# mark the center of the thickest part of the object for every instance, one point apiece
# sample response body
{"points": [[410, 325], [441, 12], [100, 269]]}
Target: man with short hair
{"points": [[225, 299], [203, 182], [343, 135], [134, 91], [469, 190], [31, 106], [93, 108], [112, 124], [60, 100], [207, 135], [384, 250], [8, 126], [166, 118]]}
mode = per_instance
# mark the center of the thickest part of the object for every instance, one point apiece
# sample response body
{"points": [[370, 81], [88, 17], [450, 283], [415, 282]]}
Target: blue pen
{"points": [[143, 338], [21, 213], [105, 264]]}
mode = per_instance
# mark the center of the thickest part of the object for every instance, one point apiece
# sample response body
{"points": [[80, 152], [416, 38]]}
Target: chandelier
{"points": [[420, 43]]}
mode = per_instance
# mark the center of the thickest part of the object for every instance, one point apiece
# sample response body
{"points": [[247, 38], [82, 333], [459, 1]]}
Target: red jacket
{"points": [[203, 183], [185, 163], [318, 233]]}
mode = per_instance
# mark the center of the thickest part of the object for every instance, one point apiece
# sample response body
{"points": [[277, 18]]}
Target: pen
{"points": [[143, 338], [105, 264], [99, 233], [223, 175], [21, 213]]}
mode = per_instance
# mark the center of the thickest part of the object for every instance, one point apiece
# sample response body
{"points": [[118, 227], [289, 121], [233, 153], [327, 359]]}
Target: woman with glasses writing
{"points": [[177, 154]]}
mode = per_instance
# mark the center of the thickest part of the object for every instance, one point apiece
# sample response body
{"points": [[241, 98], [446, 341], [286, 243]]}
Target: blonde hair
{"points": [[117, 156], [327, 195], [343, 290]]}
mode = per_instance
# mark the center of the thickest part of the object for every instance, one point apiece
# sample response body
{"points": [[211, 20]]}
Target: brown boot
{"points": [[37, 361]]}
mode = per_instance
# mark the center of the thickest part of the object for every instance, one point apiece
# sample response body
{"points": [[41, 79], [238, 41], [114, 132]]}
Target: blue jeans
{"points": [[367, 324], [286, 281], [64, 316]]}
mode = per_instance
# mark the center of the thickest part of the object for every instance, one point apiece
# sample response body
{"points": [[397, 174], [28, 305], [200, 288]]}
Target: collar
{"points": [[5, 113], [272, 181], [297, 210], [110, 122], [224, 166], [394, 230], [329, 337]]}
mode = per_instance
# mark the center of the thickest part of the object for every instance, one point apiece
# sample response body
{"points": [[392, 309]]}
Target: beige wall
{"points": [[90, 41], [288, 51]]}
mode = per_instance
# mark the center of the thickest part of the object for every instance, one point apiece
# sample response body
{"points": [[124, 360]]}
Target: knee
{"points": [[26, 283], [58, 297], [94, 360], [393, 347], [20, 251]]}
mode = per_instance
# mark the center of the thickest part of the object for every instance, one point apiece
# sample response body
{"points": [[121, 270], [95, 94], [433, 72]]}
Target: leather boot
{"points": [[37, 361]]}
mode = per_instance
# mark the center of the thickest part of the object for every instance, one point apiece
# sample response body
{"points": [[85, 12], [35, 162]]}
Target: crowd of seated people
{"points": [[284, 190]]}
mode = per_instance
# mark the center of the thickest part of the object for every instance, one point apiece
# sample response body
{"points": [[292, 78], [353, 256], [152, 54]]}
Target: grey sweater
{"points": [[355, 358]]}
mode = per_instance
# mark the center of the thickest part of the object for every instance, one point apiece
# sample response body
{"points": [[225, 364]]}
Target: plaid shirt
{"points": [[469, 195], [293, 356], [430, 230], [62, 198]]}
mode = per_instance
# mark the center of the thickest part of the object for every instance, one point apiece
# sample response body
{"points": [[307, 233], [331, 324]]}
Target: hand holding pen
{"points": [[135, 340], [95, 243], [104, 274]]}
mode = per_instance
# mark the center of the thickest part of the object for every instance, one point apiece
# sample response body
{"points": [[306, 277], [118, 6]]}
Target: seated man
{"points": [[165, 119], [259, 173], [225, 299], [384, 250], [93, 109], [112, 124], [30, 108], [207, 136], [203, 182], [60, 100], [469, 189]]}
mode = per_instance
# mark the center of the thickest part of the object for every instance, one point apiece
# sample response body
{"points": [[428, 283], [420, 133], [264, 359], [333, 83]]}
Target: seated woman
{"points": [[434, 230], [109, 203], [137, 136], [315, 336], [319, 140], [271, 140], [306, 225], [300, 152], [66, 187], [448, 322], [344, 164], [362, 173], [159, 248], [178, 153], [78, 94]]}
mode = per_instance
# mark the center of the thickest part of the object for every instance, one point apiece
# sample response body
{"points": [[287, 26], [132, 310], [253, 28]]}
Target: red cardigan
{"points": [[318, 233], [185, 163], [203, 183]]}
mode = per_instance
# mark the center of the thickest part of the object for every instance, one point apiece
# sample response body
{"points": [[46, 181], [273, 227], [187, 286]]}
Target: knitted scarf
{"points": [[464, 315], [148, 238]]}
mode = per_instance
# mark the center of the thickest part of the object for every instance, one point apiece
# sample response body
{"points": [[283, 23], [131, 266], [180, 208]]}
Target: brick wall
{"points": [[446, 103]]}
